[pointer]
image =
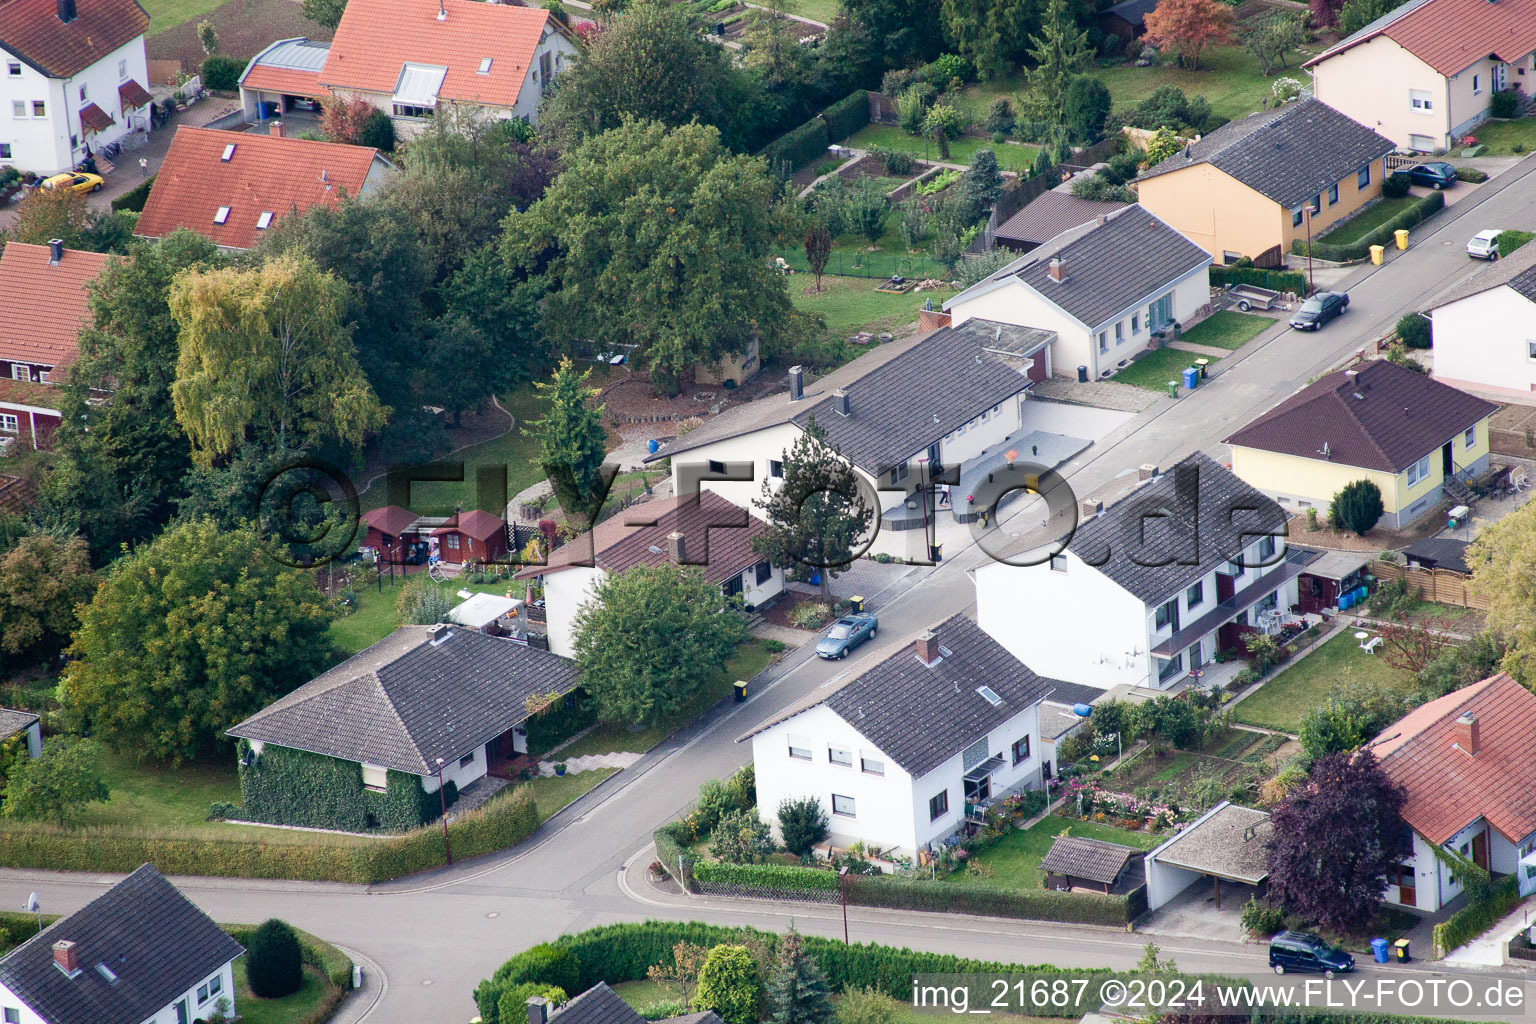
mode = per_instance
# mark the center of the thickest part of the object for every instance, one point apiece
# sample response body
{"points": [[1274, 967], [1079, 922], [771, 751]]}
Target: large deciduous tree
{"points": [[42, 579], [56, 785], [895, 33], [818, 514], [267, 354], [60, 213], [1335, 837], [1503, 564], [657, 237], [1188, 27], [572, 441], [187, 636], [651, 638]]}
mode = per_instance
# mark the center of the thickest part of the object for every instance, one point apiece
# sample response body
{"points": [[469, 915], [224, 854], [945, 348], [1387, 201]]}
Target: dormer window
{"points": [[221, 215], [485, 66], [229, 153]]}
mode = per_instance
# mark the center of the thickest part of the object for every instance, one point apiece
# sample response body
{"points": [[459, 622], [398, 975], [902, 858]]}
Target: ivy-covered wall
{"points": [[565, 716], [294, 787]]}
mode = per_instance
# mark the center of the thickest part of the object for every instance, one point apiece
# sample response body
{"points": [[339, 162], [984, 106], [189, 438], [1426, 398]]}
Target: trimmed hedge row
{"points": [[135, 198], [1381, 235], [1471, 921], [319, 954], [1275, 280], [961, 898], [670, 848], [776, 876], [221, 73], [800, 145]]}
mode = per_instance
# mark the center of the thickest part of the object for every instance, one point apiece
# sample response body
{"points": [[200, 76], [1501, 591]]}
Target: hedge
{"points": [[321, 955], [1381, 235], [784, 877], [809, 141], [962, 898], [135, 198], [564, 717], [1275, 280], [1471, 175], [221, 73], [1471, 921]]}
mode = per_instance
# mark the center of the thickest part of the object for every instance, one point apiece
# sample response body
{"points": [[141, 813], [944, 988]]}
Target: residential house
{"points": [[1253, 186], [918, 739], [472, 536], [1417, 439], [1127, 19], [140, 953], [427, 705], [1150, 589], [72, 80], [1467, 763], [412, 58], [232, 187], [601, 1005], [1424, 73], [285, 76], [1484, 331], [1103, 289], [950, 404], [26, 727], [47, 292], [706, 532], [1048, 215]]}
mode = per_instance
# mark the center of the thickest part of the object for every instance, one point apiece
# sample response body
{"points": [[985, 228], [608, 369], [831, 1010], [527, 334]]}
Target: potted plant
{"points": [[560, 768]]}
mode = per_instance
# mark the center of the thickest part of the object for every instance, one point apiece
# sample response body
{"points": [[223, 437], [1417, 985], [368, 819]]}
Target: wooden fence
{"points": [[1446, 586]]}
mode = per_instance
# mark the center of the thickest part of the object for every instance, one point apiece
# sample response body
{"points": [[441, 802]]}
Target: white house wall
{"points": [[950, 776], [1483, 342], [564, 594], [43, 144], [757, 447], [562, 52], [984, 431], [167, 1015], [461, 775]]}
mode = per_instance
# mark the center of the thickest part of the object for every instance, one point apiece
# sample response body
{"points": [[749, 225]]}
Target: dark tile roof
{"points": [[1133, 11], [1518, 270], [899, 409], [1165, 535], [1109, 267], [1290, 154], [154, 939], [1093, 859], [1440, 553], [31, 30], [404, 702], [597, 1005], [1049, 214], [13, 722], [1377, 415]]}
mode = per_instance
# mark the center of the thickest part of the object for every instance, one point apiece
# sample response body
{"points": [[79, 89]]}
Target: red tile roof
{"points": [[94, 119], [1451, 35], [132, 94], [474, 523], [1447, 787], [293, 81], [265, 173], [376, 38], [31, 29], [45, 306]]}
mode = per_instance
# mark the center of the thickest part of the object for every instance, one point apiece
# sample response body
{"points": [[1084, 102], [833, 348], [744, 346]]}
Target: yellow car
{"points": [[77, 182]]}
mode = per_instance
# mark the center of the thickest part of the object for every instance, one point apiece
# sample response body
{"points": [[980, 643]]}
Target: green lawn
{"points": [[1367, 220], [1010, 156], [852, 303], [278, 1011], [1155, 369], [1501, 137], [374, 618], [1227, 329], [1015, 858], [1282, 701], [824, 11], [1228, 77], [556, 791], [165, 15]]}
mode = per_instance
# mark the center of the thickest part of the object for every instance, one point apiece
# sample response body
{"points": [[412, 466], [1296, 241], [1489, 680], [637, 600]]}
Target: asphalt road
{"points": [[426, 941]]}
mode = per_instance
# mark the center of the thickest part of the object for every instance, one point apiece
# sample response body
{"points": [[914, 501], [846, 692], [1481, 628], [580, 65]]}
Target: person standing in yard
{"points": [[144, 166]]}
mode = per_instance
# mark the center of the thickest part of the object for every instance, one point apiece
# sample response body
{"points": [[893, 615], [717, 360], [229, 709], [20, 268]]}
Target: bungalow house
{"points": [[414, 58], [1424, 73], [1126, 19], [1101, 289], [140, 953], [1482, 334], [47, 292], [1253, 186], [230, 188], [1467, 763], [706, 532], [473, 536], [74, 76], [1150, 589], [426, 707], [922, 737], [1048, 215], [283, 77], [1417, 439]]}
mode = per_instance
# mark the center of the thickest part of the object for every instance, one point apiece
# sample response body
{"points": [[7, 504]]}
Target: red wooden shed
{"points": [[472, 536], [387, 530]]}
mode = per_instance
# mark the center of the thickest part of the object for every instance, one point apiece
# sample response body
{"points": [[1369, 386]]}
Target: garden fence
{"points": [[1445, 586]]}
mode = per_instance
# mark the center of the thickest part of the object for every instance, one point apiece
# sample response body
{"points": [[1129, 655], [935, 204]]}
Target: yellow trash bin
{"points": [[1377, 252], [1401, 234]]}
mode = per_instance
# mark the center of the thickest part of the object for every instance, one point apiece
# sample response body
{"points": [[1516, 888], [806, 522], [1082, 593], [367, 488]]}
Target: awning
{"points": [[984, 769], [133, 95], [419, 84], [94, 119]]}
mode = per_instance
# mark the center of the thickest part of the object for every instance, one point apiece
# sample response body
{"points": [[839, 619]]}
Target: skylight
{"points": [[229, 152], [485, 66], [222, 215], [991, 695], [264, 221], [106, 972]]}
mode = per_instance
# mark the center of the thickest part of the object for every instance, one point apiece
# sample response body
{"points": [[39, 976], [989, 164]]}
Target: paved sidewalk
{"points": [[590, 762], [1487, 950]]}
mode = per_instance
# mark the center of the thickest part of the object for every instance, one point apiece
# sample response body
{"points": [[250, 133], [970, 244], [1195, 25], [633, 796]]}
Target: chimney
{"points": [[1101, 220], [1058, 269], [55, 251], [796, 383], [1467, 733], [277, 129], [1351, 373], [1088, 508], [927, 647], [840, 402], [440, 633], [64, 953], [677, 550], [1146, 471], [538, 1010], [66, 11]]}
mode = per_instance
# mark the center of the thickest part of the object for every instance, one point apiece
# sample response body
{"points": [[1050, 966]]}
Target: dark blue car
{"points": [[846, 634], [1299, 951], [1436, 174]]}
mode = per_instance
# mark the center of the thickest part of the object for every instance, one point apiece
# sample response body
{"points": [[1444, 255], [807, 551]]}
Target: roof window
{"points": [[264, 221], [229, 153], [485, 66], [221, 215]]}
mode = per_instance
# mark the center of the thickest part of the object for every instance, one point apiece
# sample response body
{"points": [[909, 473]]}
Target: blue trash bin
{"points": [[1191, 377], [1379, 947]]}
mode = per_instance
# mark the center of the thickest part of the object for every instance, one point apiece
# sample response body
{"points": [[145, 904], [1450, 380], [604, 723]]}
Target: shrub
{"points": [[512, 1003], [741, 837], [663, 1011], [274, 963], [943, 118], [1275, 280], [1504, 103], [1511, 239], [1357, 507], [1413, 330], [911, 108], [785, 877], [1395, 186], [894, 160], [947, 67], [802, 824], [1476, 918], [135, 198], [1087, 104], [1471, 175], [1262, 921], [867, 1006], [715, 802], [728, 985], [1000, 117], [811, 614], [378, 131], [546, 969], [221, 73]]}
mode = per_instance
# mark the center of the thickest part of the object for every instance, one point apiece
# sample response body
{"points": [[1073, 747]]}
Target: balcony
{"points": [[1295, 563]]}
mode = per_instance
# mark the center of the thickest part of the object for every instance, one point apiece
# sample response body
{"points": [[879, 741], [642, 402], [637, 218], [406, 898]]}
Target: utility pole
{"points": [[842, 885], [1307, 213]]}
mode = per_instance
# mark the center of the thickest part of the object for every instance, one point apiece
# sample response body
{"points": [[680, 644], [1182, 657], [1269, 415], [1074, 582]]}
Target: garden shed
{"points": [[1075, 862], [1331, 574]]}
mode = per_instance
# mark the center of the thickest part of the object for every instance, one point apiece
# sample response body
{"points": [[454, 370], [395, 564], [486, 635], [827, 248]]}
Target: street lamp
{"points": [[442, 800], [1307, 214], [842, 885]]}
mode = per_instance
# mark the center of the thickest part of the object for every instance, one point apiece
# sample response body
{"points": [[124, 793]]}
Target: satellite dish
{"points": [[33, 906]]}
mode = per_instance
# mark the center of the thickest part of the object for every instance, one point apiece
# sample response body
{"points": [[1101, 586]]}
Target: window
{"points": [[1119, 332], [1169, 667], [5, 150], [1317, 203], [1266, 548], [202, 994], [1135, 322], [776, 468], [1236, 568], [221, 215], [1021, 750], [762, 572], [1296, 218], [74, 142], [1269, 603], [451, 542], [1167, 612], [18, 108], [898, 473], [215, 985], [82, 93], [39, 108], [1418, 471], [871, 765], [1477, 84], [1103, 341], [122, 70], [732, 587], [1194, 595], [716, 466], [21, 371], [1363, 176], [799, 753], [840, 757], [13, 69], [1333, 195], [938, 806], [264, 221], [467, 760], [1059, 563], [1530, 350], [545, 66], [1469, 438], [12, 1015], [9, 424], [1420, 101], [485, 66], [375, 778], [409, 110], [843, 806]]}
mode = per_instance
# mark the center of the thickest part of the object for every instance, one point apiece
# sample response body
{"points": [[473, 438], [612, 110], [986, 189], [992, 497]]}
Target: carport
{"points": [[283, 77], [1226, 844]]}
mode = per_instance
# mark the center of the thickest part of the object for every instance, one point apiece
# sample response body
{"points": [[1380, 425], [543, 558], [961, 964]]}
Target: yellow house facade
{"points": [[1253, 186], [1416, 439]]}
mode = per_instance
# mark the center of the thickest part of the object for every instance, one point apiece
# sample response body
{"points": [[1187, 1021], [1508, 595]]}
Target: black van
{"points": [[1298, 951]]}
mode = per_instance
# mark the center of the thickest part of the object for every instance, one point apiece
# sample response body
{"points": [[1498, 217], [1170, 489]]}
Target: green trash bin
{"points": [[1173, 389]]}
